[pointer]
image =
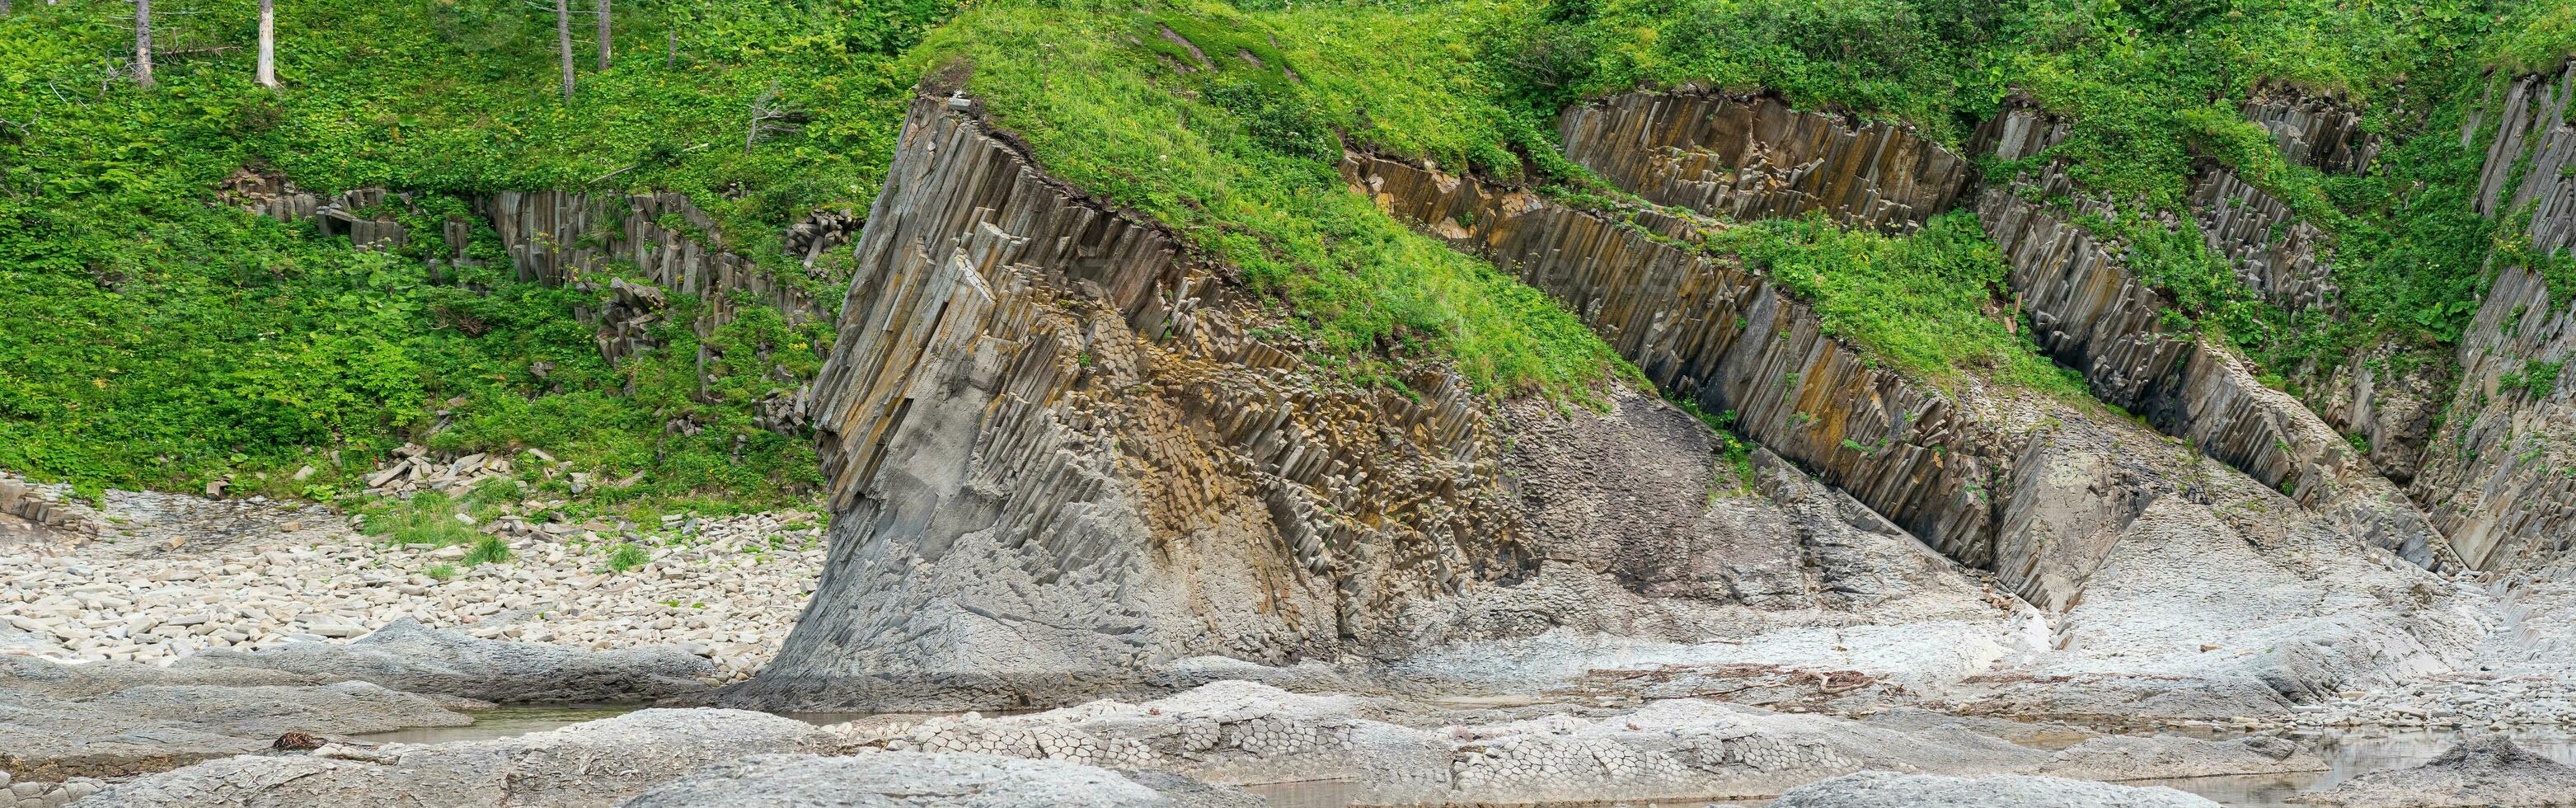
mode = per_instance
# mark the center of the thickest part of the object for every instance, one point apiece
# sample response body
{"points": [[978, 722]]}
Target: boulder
{"points": [[916, 780], [2479, 772], [408, 656], [1892, 790], [591, 764]]}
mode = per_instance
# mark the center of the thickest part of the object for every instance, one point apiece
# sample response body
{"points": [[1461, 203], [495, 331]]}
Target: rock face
{"points": [[2496, 475], [2319, 132], [2072, 513], [63, 721], [413, 658], [1892, 790], [1753, 156], [2274, 251], [1058, 454], [912, 780], [1060, 461], [2090, 313], [595, 764], [1731, 340], [2491, 771]]}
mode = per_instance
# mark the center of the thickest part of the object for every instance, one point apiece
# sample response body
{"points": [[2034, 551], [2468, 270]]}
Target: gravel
{"points": [[725, 588]]}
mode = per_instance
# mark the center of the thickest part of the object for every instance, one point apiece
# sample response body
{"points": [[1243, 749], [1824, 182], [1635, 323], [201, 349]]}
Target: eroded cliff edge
{"points": [[1064, 461], [2063, 503]]}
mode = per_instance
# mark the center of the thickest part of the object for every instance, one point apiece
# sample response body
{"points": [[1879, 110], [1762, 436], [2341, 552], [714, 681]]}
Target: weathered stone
{"points": [[1892, 790], [1753, 156], [913, 780], [2490, 771], [594, 764], [1040, 414], [414, 658], [2090, 313], [60, 721]]}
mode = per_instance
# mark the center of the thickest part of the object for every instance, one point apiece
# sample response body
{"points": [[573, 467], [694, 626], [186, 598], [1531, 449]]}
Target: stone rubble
{"points": [[725, 588]]}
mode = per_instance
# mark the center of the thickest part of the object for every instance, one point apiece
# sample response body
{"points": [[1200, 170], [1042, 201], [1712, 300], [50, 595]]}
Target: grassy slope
{"points": [[158, 341], [169, 342]]}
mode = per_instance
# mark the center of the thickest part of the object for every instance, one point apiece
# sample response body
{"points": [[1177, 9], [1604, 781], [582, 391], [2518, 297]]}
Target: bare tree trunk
{"points": [[670, 59], [267, 43], [603, 35], [563, 43], [4, 8], [143, 43]]}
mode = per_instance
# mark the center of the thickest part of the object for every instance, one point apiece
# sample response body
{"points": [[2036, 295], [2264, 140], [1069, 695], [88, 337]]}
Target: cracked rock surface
{"points": [[913, 780]]}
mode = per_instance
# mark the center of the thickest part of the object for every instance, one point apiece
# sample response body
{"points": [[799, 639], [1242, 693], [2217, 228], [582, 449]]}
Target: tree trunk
{"points": [[670, 59], [563, 43], [603, 35], [267, 43], [143, 43], [4, 8]]}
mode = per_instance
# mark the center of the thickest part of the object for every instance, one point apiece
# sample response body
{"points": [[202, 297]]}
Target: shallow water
{"points": [[2348, 753]]}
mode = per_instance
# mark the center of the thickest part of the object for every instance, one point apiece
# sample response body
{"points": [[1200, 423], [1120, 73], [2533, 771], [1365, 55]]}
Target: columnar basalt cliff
{"points": [[1729, 339], [2091, 313], [1062, 462], [1057, 455], [2320, 132], [2527, 161], [2072, 510], [1753, 156], [2274, 251], [2500, 475]]}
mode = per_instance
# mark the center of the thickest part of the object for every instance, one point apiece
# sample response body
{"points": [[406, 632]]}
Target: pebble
{"points": [[729, 591]]}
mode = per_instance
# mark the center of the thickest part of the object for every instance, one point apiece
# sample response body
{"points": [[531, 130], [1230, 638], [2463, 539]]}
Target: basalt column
{"points": [[1058, 455]]}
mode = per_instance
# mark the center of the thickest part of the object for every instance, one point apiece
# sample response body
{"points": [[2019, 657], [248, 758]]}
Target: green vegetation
{"points": [[626, 557], [158, 338], [429, 518], [1241, 157], [440, 572], [2535, 379], [488, 550], [1914, 302]]}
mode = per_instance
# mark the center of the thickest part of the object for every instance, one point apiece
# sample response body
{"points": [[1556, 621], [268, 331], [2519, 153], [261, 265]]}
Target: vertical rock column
{"points": [[1058, 456], [1731, 341], [2500, 474], [2089, 312], [1752, 156]]}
